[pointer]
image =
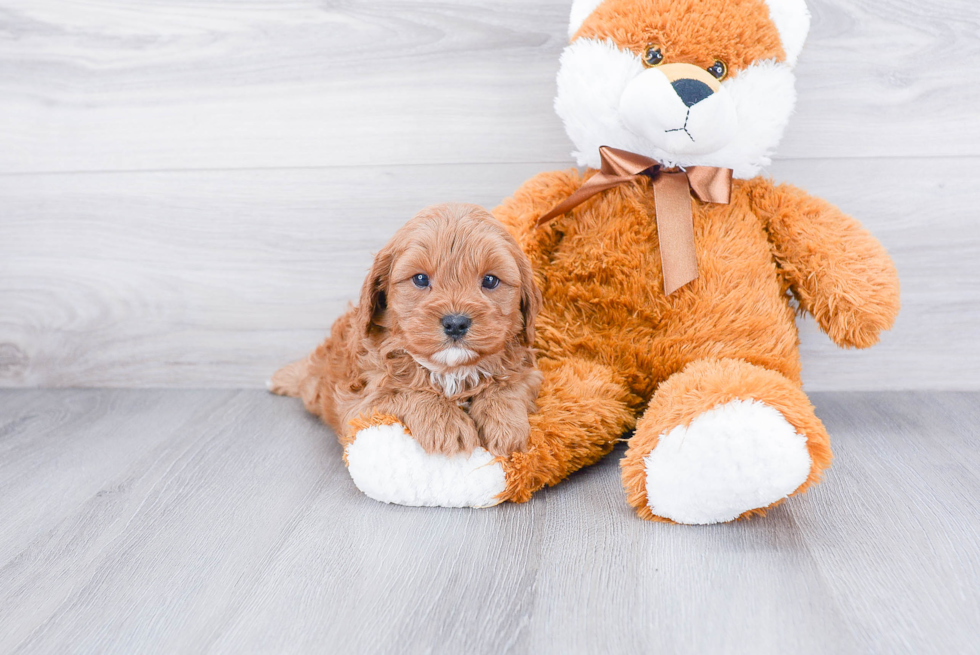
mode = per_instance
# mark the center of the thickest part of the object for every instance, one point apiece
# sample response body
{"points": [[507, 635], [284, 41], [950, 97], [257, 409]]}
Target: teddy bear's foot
{"points": [[387, 464], [722, 440], [729, 460]]}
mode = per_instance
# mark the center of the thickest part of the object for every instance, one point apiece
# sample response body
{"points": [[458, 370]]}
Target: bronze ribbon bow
{"points": [[672, 197]]}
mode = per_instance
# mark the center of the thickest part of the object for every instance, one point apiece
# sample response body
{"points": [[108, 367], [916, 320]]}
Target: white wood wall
{"points": [[191, 190]]}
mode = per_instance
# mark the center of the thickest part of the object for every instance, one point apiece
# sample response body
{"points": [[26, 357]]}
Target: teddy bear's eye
{"points": [[654, 56], [719, 69]]}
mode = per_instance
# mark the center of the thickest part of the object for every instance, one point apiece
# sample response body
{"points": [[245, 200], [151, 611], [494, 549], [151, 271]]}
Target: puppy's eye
{"points": [[491, 282], [421, 280], [654, 56], [718, 69]]}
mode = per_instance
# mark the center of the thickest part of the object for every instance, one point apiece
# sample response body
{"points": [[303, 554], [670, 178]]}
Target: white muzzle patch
{"points": [[454, 356], [676, 120]]}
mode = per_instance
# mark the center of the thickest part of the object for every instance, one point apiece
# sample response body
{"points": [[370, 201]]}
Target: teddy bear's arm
{"points": [[533, 199], [836, 269]]}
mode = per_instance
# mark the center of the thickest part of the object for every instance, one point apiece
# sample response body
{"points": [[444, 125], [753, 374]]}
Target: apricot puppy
{"points": [[440, 339]]}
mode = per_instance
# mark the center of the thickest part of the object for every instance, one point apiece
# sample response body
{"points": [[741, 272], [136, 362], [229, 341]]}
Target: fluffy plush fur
{"points": [[710, 373], [387, 464], [393, 355]]}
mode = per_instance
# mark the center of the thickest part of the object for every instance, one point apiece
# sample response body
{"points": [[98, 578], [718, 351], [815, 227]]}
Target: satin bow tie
{"points": [[672, 191]]}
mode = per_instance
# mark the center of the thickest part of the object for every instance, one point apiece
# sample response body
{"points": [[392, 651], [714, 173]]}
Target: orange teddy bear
{"points": [[707, 374], [667, 275]]}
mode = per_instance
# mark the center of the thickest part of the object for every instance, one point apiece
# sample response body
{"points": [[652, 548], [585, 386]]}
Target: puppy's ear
{"points": [[374, 293], [530, 297]]}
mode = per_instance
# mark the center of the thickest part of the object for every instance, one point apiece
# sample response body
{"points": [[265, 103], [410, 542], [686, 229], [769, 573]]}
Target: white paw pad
{"points": [[739, 456], [388, 465]]}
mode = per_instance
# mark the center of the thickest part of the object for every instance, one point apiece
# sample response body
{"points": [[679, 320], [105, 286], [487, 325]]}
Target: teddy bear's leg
{"points": [[583, 409], [723, 439], [582, 412]]}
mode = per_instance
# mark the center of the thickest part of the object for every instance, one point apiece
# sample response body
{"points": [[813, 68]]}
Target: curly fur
{"points": [[389, 355]]}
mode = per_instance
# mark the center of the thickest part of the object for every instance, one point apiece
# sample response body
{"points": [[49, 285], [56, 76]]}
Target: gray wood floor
{"points": [[224, 521]]}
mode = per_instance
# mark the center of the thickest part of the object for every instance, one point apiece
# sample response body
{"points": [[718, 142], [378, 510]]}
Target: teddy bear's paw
{"points": [[735, 458], [387, 464]]}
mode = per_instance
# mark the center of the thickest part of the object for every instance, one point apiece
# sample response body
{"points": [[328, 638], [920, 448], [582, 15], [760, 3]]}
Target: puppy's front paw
{"points": [[503, 435], [446, 433]]}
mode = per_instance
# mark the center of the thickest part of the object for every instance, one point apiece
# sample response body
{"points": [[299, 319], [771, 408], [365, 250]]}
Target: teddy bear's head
{"points": [[686, 82]]}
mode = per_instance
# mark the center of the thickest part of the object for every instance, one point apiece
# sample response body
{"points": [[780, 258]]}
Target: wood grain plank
{"points": [[247, 518], [750, 587], [153, 558], [115, 85], [370, 578], [214, 279], [55, 454], [895, 530], [242, 531]]}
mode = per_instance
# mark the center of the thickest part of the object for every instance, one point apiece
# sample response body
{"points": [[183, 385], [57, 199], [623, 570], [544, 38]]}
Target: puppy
{"points": [[440, 339]]}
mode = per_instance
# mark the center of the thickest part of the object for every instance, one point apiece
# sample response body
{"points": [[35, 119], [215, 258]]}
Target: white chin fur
{"points": [[734, 458], [388, 465], [594, 76], [454, 356], [446, 369]]}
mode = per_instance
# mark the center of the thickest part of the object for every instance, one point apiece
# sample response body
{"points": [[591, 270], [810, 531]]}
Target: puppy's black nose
{"points": [[456, 325], [691, 92]]}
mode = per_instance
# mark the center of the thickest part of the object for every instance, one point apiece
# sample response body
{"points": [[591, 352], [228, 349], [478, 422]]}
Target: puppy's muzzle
{"points": [[456, 325]]}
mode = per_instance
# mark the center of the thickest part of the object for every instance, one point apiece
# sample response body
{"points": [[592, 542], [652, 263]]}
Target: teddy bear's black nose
{"points": [[456, 325], [691, 92]]}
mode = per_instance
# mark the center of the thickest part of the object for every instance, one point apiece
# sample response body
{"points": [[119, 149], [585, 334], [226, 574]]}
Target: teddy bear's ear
{"points": [[792, 19], [580, 11]]}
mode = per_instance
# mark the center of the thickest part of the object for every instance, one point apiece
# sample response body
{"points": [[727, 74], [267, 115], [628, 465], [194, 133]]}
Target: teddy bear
{"points": [[671, 270]]}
